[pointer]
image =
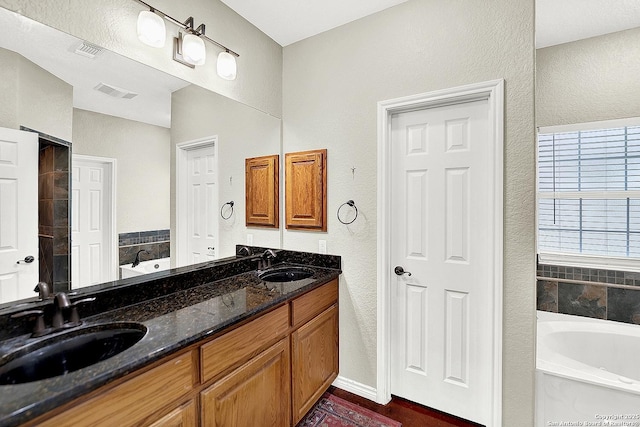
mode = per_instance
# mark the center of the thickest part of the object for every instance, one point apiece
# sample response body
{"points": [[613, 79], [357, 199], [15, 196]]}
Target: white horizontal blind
{"points": [[589, 192]]}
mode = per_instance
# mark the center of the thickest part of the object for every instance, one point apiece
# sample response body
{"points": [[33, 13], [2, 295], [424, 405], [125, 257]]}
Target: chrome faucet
{"points": [[244, 251], [136, 261], [267, 256]]}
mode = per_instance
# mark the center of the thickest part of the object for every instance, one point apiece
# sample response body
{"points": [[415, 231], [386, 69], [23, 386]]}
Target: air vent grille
{"points": [[115, 92], [88, 50]]}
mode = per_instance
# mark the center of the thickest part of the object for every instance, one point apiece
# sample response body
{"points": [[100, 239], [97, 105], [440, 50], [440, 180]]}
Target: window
{"points": [[589, 192]]}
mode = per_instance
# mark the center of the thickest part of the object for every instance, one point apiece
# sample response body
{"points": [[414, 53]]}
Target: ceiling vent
{"points": [[115, 92], [88, 50]]}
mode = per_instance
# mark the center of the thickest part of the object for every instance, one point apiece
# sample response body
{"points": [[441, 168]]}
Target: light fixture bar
{"points": [[188, 26]]}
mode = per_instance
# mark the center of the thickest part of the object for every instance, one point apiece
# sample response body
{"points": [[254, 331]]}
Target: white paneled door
{"points": [[202, 194], [93, 241], [441, 227], [18, 214]]}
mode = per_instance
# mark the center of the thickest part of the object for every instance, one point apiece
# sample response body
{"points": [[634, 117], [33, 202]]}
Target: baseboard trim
{"points": [[357, 388]]}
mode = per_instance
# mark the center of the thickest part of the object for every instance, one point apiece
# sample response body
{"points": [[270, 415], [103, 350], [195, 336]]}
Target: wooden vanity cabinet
{"points": [[184, 416], [136, 400], [255, 394], [314, 347], [267, 372]]}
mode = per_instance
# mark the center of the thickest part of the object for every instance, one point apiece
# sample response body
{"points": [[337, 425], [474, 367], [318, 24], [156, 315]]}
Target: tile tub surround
{"points": [[601, 294], [156, 242], [175, 320]]}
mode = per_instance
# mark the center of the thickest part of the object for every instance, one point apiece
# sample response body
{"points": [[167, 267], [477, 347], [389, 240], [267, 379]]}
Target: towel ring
{"points": [[222, 208], [353, 205]]}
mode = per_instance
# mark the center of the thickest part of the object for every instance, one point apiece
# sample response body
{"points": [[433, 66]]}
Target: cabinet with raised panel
{"points": [[306, 190], [255, 394], [267, 371], [314, 347]]}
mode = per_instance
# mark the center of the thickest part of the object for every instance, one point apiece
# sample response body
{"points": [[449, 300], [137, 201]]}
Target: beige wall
{"points": [[242, 132], [33, 97], [142, 161], [332, 83], [589, 80], [112, 24]]}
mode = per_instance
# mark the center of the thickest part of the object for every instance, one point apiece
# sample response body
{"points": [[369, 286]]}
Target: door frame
{"points": [[182, 214], [493, 92], [110, 235]]}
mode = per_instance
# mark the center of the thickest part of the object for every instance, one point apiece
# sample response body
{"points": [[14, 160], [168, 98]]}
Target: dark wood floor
{"points": [[408, 413]]}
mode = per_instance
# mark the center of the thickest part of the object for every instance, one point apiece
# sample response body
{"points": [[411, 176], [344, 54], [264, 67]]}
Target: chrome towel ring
{"points": [[352, 204], [222, 209]]}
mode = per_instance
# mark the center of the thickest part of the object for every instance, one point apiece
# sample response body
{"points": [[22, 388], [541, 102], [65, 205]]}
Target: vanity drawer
{"points": [[313, 303], [237, 346], [134, 400]]}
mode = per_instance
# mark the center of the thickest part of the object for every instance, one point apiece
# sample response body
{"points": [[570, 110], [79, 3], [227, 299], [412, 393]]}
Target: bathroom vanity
{"points": [[235, 351]]}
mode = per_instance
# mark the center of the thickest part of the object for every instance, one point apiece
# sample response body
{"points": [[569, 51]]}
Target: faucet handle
{"points": [[74, 318], [38, 327]]}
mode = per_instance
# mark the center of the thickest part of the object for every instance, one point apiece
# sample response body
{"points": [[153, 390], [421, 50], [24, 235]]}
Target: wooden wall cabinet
{"points": [[306, 190], [262, 191]]}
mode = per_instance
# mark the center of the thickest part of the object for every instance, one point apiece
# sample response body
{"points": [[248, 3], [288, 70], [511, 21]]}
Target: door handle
{"points": [[400, 271], [27, 260]]}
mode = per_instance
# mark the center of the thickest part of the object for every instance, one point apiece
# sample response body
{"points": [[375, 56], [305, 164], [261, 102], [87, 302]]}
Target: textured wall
{"points": [[9, 89], [332, 83], [589, 80], [112, 24], [33, 97], [142, 155], [242, 132]]}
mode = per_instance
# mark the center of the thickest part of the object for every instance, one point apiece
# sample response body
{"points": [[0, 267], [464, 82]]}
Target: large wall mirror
{"points": [[153, 159]]}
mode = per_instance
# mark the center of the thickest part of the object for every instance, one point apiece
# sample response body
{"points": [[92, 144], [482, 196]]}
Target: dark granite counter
{"points": [[173, 320]]}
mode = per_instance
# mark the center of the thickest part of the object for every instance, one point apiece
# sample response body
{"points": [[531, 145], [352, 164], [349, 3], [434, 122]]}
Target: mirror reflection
{"points": [[153, 160]]}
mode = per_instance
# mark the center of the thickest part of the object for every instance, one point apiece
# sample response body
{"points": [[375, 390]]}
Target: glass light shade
{"points": [[151, 29], [193, 50], [227, 66]]}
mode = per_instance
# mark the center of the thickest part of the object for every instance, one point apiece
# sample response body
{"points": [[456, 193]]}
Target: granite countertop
{"points": [[173, 321]]}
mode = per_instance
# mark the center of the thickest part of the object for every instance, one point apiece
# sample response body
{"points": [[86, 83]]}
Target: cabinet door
{"points": [[255, 394], [314, 360], [306, 190], [262, 191], [184, 416]]}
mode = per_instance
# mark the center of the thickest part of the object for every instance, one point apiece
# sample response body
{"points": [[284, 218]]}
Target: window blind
{"points": [[589, 192]]}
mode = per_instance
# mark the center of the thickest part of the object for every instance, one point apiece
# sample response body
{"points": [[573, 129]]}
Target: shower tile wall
{"points": [[53, 216], [157, 242], [612, 296]]}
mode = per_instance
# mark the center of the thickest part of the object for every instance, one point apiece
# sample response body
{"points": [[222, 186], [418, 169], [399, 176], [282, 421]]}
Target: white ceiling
{"points": [[557, 21], [562, 21], [288, 21]]}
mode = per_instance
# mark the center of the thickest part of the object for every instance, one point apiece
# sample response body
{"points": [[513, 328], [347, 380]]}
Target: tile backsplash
{"points": [[597, 293]]}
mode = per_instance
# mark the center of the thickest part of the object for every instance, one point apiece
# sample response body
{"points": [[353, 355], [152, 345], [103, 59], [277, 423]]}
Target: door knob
{"points": [[400, 271], [28, 260]]}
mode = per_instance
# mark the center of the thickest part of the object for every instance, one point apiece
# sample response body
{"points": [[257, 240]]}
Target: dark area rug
{"points": [[331, 411]]}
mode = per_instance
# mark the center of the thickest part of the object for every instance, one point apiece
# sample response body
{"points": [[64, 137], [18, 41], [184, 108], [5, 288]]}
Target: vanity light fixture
{"points": [[188, 48], [151, 29]]}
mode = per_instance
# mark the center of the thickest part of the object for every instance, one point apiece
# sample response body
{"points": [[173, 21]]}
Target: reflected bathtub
{"points": [[145, 267], [587, 371]]}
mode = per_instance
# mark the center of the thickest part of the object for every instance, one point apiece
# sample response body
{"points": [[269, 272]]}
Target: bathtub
{"points": [[145, 267], [587, 372]]}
